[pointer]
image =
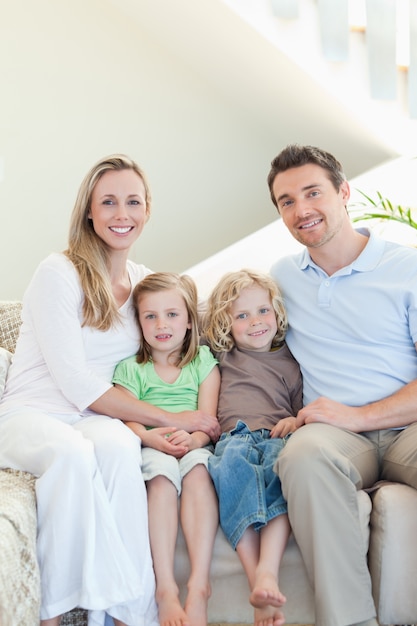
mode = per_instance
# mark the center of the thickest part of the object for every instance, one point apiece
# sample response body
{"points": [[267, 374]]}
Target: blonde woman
{"points": [[173, 372], [57, 409], [260, 396]]}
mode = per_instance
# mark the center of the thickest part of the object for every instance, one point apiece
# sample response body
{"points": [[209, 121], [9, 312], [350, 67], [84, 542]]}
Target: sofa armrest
{"points": [[393, 553]]}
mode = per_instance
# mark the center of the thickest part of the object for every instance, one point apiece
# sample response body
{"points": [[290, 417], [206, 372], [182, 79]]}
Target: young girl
{"points": [[171, 371], [260, 395]]}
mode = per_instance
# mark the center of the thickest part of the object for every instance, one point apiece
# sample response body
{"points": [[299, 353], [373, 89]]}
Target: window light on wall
{"points": [[390, 32]]}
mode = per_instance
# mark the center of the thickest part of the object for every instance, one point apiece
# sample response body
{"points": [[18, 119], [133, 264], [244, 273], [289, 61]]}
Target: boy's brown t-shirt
{"points": [[258, 388]]}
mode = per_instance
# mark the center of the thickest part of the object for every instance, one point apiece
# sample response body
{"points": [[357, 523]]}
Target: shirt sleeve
{"points": [[205, 362], [127, 374], [53, 307]]}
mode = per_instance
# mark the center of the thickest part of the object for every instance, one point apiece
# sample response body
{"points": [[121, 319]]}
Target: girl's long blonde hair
{"points": [[163, 281], [217, 320], [89, 253]]}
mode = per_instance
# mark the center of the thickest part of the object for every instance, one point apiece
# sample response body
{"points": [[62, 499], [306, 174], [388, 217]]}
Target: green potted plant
{"points": [[382, 208]]}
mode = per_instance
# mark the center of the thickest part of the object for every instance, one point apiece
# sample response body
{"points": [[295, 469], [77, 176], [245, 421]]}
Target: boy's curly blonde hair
{"points": [[217, 319]]}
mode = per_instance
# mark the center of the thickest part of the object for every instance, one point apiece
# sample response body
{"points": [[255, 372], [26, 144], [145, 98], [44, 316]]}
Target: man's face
{"points": [[311, 208]]}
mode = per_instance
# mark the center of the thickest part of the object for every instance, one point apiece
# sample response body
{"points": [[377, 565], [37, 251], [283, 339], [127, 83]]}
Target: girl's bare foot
{"points": [[196, 606], [170, 610], [268, 616], [266, 592]]}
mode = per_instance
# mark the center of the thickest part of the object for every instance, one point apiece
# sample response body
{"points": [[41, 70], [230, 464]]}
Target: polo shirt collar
{"points": [[365, 262]]}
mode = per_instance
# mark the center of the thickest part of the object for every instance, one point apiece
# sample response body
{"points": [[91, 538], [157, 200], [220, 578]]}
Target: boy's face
{"points": [[254, 324]]}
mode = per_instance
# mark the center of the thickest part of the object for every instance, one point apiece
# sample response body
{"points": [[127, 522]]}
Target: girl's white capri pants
{"points": [[157, 463]]}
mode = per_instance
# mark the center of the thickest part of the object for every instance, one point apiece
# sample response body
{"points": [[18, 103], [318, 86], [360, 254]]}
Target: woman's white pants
{"points": [[93, 546]]}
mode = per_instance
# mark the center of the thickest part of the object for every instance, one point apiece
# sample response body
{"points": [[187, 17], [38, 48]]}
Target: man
{"points": [[352, 308]]}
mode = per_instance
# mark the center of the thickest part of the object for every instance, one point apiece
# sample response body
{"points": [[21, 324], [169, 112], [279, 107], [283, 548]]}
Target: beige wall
{"points": [[81, 79]]}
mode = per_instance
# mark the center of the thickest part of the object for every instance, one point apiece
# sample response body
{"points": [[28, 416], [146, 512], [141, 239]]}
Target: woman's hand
{"points": [[191, 421]]}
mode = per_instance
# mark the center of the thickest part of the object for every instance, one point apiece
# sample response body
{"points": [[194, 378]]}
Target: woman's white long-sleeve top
{"points": [[61, 366]]}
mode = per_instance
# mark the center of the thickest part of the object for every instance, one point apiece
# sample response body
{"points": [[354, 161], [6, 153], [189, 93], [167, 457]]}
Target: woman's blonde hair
{"points": [[186, 287], [89, 253], [217, 320]]}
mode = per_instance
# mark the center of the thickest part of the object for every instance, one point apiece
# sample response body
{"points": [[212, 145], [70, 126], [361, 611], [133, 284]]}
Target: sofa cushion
{"points": [[229, 601], [10, 322]]}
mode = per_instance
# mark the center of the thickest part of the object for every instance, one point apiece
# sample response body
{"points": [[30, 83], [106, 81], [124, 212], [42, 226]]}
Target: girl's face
{"points": [[118, 208], [254, 324], [164, 320]]}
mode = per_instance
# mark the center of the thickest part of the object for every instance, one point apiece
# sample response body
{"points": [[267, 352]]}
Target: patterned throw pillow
{"points": [[10, 321], [5, 359]]}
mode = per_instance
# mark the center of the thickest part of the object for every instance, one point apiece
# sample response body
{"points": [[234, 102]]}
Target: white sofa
{"points": [[389, 522]]}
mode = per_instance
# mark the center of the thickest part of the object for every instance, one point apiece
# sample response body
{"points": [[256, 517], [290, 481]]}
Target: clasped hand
{"points": [[192, 421], [169, 440]]}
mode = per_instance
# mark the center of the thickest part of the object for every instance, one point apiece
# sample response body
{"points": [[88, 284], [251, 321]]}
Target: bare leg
{"points": [[163, 528], [54, 621], [199, 520], [261, 555], [273, 539], [248, 550]]}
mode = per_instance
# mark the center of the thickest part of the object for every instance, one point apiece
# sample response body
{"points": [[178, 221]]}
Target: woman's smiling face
{"points": [[118, 208]]}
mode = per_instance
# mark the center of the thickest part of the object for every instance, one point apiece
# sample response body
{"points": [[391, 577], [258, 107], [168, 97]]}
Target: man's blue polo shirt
{"points": [[353, 333]]}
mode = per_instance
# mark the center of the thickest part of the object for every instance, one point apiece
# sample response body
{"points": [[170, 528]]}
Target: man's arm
{"points": [[399, 409]]}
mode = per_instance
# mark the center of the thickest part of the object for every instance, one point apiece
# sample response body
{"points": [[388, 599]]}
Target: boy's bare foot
{"points": [[196, 606], [268, 616], [170, 610], [266, 592]]}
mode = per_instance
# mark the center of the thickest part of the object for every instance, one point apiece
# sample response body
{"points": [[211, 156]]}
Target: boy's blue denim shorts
{"points": [[248, 489]]}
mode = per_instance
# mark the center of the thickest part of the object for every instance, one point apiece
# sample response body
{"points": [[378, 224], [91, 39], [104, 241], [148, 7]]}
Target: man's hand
{"points": [[334, 413]]}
